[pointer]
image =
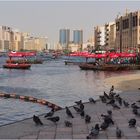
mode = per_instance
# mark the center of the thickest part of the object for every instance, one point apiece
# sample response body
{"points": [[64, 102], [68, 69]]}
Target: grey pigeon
{"points": [[87, 119], [118, 133], [132, 122], [54, 119], [68, 124], [91, 100], [49, 114], [37, 120], [78, 110], [68, 112]]}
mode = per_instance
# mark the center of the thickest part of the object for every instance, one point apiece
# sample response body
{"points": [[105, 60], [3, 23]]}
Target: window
{"points": [[117, 26], [135, 20], [125, 23]]}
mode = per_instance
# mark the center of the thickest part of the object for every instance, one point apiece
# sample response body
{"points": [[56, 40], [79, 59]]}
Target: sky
{"points": [[46, 18]]}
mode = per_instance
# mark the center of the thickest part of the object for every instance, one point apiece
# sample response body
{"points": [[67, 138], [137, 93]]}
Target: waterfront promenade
{"points": [[26, 129]]}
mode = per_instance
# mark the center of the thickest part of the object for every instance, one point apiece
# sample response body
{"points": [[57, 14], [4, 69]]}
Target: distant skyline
{"points": [[46, 18]]}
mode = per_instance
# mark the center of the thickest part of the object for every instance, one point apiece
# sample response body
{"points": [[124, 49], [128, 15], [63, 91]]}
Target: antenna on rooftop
{"points": [[126, 11], [118, 15]]}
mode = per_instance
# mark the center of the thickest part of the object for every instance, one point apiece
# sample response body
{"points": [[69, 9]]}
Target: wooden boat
{"points": [[67, 62], [16, 66], [109, 67], [21, 61]]}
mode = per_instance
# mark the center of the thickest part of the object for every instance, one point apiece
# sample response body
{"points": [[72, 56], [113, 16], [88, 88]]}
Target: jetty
{"points": [[27, 129]]}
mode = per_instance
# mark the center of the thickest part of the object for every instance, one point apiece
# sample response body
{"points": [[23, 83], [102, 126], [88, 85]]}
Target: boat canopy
{"points": [[21, 54], [103, 55]]}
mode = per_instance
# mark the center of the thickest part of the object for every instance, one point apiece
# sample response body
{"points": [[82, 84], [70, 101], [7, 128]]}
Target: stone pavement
{"points": [[26, 129]]}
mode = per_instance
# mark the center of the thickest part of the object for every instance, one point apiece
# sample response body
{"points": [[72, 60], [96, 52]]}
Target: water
{"points": [[54, 81]]}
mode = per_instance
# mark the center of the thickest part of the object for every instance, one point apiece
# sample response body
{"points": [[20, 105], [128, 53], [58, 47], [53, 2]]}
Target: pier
{"points": [[27, 129]]}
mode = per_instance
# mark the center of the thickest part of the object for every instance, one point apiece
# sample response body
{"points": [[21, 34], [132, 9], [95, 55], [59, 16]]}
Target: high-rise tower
{"points": [[64, 37]]}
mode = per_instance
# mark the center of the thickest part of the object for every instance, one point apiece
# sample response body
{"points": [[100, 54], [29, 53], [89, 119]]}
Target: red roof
{"points": [[21, 54]]}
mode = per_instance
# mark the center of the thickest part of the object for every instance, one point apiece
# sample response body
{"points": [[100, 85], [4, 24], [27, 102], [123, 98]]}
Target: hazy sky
{"points": [[46, 18]]}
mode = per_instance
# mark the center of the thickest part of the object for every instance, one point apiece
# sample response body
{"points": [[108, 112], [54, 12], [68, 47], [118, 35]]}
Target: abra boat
{"points": [[22, 65], [109, 67], [16, 66]]}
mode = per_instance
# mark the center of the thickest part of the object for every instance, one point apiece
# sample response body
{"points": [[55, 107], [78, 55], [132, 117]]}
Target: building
{"points": [[5, 38], [17, 41], [64, 38], [78, 36], [110, 35], [78, 39], [73, 47], [35, 43], [128, 32], [99, 37]]}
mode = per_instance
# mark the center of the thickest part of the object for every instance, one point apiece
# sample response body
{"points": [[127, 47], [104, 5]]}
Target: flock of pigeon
{"points": [[111, 99]]}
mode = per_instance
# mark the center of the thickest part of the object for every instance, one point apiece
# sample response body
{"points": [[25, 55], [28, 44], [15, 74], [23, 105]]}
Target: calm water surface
{"points": [[53, 80]]}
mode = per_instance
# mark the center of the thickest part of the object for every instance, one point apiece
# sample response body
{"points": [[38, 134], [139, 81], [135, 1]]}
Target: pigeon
{"points": [[104, 126], [136, 111], [49, 114], [78, 102], [87, 119], [112, 89], [132, 122], [82, 114], [68, 112], [37, 120], [103, 99], [118, 133], [78, 110], [95, 131], [119, 99], [106, 95], [134, 106], [109, 113], [115, 106], [91, 100], [68, 124], [54, 119], [108, 120], [81, 106], [111, 102], [126, 104]]}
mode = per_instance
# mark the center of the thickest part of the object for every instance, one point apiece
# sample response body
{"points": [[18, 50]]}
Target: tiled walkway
{"points": [[28, 130]]}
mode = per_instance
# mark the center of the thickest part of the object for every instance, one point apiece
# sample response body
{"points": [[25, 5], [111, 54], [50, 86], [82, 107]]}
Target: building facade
{"points": [[78, 39], [35, 43], [64, 38], [99, 37], [128, 32], [110, 35], [5, 38], [78, 36], [17, 41]]}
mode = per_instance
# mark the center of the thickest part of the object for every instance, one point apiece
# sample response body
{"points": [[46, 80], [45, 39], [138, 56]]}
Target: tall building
{"points": [[128, 32], [5, 38], [110, 35], [78, 39], [64, 37], [35, 43], [16, 41], [99, 37], [78, 36]]}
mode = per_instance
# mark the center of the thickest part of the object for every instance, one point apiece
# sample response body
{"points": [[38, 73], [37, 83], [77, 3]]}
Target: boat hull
{"points": [[17, 66], [24, 61], [109, 67]]}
